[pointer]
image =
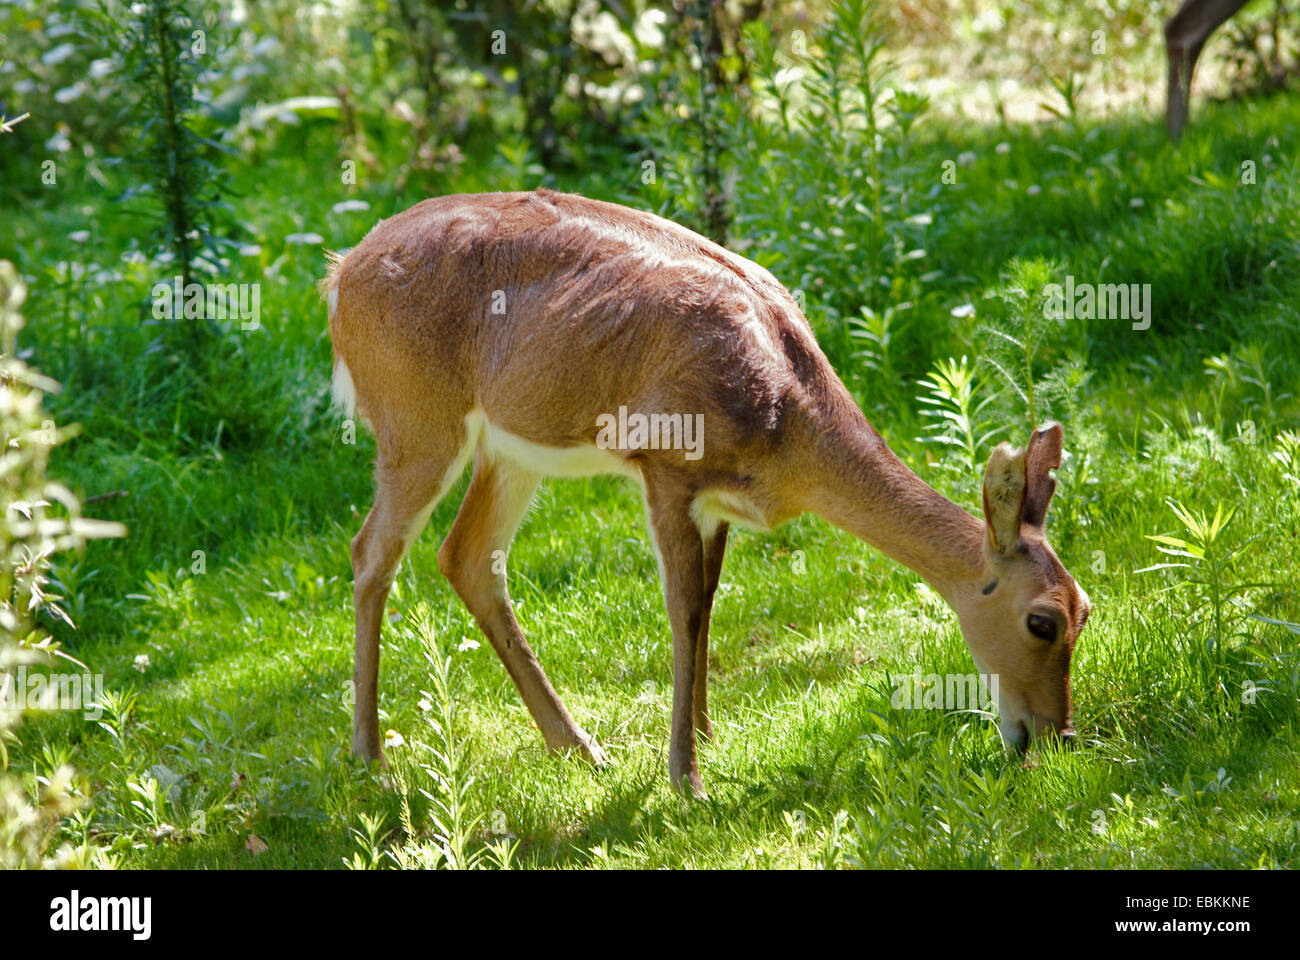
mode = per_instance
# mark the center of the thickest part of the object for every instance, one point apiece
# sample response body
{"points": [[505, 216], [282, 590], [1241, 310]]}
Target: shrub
{"points": [[40, 518]]}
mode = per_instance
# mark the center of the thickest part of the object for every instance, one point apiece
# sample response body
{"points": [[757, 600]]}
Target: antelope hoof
{"points": [[367, 748], [688, 784], [585, 745], [593, 754]]}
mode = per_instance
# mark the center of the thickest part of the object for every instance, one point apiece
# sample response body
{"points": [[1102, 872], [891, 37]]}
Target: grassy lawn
{"points": [[222, 624]]}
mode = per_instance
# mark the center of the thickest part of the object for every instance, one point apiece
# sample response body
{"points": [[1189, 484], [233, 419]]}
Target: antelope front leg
{"points": [[714, 548], [681, 565]]}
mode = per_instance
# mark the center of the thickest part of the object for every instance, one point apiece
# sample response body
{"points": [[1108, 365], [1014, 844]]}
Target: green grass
{"points": [[244, 693]]}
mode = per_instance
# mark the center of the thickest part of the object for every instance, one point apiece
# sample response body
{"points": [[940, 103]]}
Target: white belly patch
{"points": [[587, 460], [581, 461], [712, 506]]}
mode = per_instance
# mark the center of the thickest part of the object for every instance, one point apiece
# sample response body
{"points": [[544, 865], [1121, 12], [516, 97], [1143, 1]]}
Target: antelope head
{"points": [[1022, 622]]}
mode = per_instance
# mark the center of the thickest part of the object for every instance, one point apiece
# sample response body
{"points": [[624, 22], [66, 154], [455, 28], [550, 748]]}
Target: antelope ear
{"points": [[1004, 497], [1042, 456]]}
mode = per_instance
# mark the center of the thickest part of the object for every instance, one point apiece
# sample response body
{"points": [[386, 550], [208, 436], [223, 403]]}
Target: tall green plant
{"points": [[162, 45], [709, 83], [834, 193], [1017, 338], [1208, 565], [453, 820], [40, 518], [953, 403]]}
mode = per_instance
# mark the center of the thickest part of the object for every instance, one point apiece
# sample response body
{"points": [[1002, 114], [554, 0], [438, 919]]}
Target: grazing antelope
{"points": [[518, 329]]}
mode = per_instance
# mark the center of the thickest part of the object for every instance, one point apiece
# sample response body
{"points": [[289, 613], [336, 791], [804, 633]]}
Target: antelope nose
{"points": [[1043, 728]]}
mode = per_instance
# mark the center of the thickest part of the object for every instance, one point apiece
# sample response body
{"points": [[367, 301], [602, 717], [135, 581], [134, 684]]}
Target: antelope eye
{"points": [[1044, 628]]}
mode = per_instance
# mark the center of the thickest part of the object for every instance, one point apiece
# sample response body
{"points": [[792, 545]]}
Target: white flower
{"points": [[142, 662], [648, 28], [59, 54], [466, 644]]}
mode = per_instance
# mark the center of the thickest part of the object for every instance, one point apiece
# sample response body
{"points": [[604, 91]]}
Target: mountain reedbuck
{"points": [[519, 329]]}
